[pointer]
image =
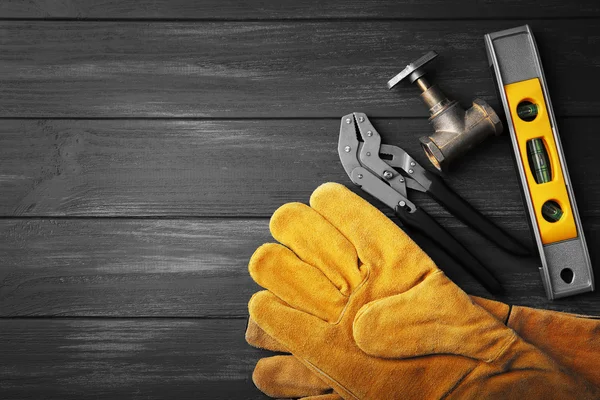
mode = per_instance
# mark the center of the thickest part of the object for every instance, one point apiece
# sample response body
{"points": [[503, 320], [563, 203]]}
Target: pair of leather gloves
{"points": [[366, 314]]}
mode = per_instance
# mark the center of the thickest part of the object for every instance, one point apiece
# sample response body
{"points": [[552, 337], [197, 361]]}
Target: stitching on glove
{"points": [[509, 341], [329, 378]]}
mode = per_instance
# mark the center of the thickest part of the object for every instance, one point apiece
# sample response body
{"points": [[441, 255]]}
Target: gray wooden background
{"points": [[144, 144]]}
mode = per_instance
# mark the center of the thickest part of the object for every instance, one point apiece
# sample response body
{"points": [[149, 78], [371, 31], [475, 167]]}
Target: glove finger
{"points": [[257, 337], [299, 284], [318, 243], [286, 377], [282, 322], [376, 238]]}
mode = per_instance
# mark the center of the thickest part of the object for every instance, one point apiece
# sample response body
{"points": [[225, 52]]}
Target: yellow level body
{"points": [[565, 265], [555, 190]]}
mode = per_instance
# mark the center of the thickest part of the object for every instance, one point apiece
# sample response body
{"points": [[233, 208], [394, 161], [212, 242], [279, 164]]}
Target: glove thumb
{"points": [[433, 317]]}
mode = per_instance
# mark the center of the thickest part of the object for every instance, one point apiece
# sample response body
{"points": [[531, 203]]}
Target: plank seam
{"points": [[336, 118], [299, 19], [136, 217], [503, 214], [225, 119]]}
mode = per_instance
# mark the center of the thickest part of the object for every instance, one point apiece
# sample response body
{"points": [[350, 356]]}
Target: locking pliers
{"points": [[389, 179]]}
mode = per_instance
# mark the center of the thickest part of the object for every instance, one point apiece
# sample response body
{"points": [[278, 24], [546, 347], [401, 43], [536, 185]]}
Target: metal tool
{"points": [[456, 130], [566, 268], [371, 165]]}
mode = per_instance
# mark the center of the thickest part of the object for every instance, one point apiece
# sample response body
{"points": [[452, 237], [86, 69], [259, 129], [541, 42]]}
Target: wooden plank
{"points": [[127, 267], [296, 9], [194, 268], [237, 168], [129, 359], [268, 69]]}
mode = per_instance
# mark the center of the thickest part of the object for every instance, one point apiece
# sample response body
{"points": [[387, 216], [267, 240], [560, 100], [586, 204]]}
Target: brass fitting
{"points": [[456, 130]]}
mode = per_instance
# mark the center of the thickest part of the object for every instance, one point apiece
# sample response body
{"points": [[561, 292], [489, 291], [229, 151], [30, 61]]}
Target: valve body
{"points": [[456, 130]]}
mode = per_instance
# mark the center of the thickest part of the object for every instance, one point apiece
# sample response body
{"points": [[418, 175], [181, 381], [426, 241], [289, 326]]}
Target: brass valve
{"points": [[456, 130]]}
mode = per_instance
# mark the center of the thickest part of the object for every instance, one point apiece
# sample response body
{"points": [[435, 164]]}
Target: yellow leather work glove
{"points": [[572, 340], [345, 276]]}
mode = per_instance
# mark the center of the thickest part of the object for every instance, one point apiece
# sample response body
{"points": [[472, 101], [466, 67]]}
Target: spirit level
{"points": [[566, 268]]}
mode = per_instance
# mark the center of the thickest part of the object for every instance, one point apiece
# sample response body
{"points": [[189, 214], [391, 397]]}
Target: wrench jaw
{"points": [[418, 178], [348, 145], [367, 130], [363, 165], [369, 155], [360, 146]]}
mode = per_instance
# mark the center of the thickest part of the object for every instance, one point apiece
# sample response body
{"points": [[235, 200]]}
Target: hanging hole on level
{"points": [[567, 275]]}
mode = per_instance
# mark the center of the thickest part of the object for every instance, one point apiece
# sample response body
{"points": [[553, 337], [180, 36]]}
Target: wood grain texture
{"points": [[128, 359], [193, 268], [295, 9], [269, 69], [237, 168], [91, 125], [127, 267]]}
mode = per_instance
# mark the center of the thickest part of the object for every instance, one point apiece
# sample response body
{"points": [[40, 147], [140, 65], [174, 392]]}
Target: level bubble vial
{"points": [[539, 162], [551, 211], [527, 111]]}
